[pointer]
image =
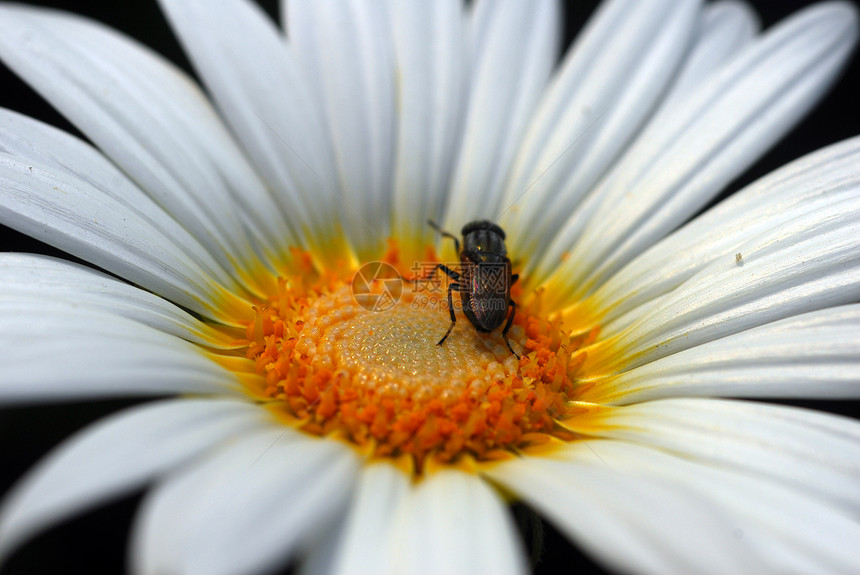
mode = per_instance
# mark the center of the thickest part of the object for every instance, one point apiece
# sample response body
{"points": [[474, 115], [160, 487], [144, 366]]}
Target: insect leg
{"points": [[451, 287], [514, 278], [513, 305], [448, 272], [436, 227]]}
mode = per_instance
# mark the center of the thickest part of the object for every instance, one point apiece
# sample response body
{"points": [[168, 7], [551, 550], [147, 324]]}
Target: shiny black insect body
{"points": [[484, 280]]}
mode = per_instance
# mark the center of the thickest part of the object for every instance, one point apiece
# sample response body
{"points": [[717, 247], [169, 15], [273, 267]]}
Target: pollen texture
{"points": [[356, 358]]}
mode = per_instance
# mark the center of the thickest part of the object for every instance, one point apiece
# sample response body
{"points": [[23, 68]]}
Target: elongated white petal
{"points": [[32, 142], [515, 47], [50, 279], [813, 452], [346, 51], [117, 456], [453, 522], [430, 54], [610, 81], [725, 28], [814, 181], [157, 538], [70, 351], [811, 262], [366, 545], [90, 210], [245, 509], [629, 523], [790, 530], [684, 159], [319, 558], [148, 117], [256, 84], [813, 355]]}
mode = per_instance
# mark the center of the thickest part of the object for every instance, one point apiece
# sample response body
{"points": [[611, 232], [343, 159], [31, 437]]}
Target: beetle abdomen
{"points": [[488, 294]]}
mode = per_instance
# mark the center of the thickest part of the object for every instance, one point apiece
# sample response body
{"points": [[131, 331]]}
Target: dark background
{"points": [[96, 543]]}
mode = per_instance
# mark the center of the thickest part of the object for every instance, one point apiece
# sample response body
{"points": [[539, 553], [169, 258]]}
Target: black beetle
{"points": [[485, 278]]}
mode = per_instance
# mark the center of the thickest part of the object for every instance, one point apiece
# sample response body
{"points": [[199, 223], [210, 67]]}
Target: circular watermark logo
{"points": [[377, 286]]}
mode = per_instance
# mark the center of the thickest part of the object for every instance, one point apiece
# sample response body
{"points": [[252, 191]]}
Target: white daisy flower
{"points": [[312, 418]]}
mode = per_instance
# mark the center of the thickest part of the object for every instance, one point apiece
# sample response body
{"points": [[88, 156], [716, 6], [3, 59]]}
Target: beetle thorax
{"points": [[486, 241]]}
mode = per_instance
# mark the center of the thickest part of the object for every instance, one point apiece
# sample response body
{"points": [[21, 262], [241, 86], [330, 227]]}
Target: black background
{"points": [[96, 542]]}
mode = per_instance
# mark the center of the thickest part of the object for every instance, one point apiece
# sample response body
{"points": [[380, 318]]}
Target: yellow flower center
{"points": [[355, 356]]}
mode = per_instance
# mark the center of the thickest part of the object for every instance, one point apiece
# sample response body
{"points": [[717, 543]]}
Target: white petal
{"points": [[685, 158], [319, 559], [345, 48], [453, 522], [58, 350], [813, 452], [790, 530], [149, 117], [609, 83], [810, 262], [631, 524], [725, 29], [90, 210], [32, 142], [813, 355], [367, 541], [116, 456], [516, 45], [430, 52], [814, 181], [43, 277], [256, 84], [245, 509]]}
